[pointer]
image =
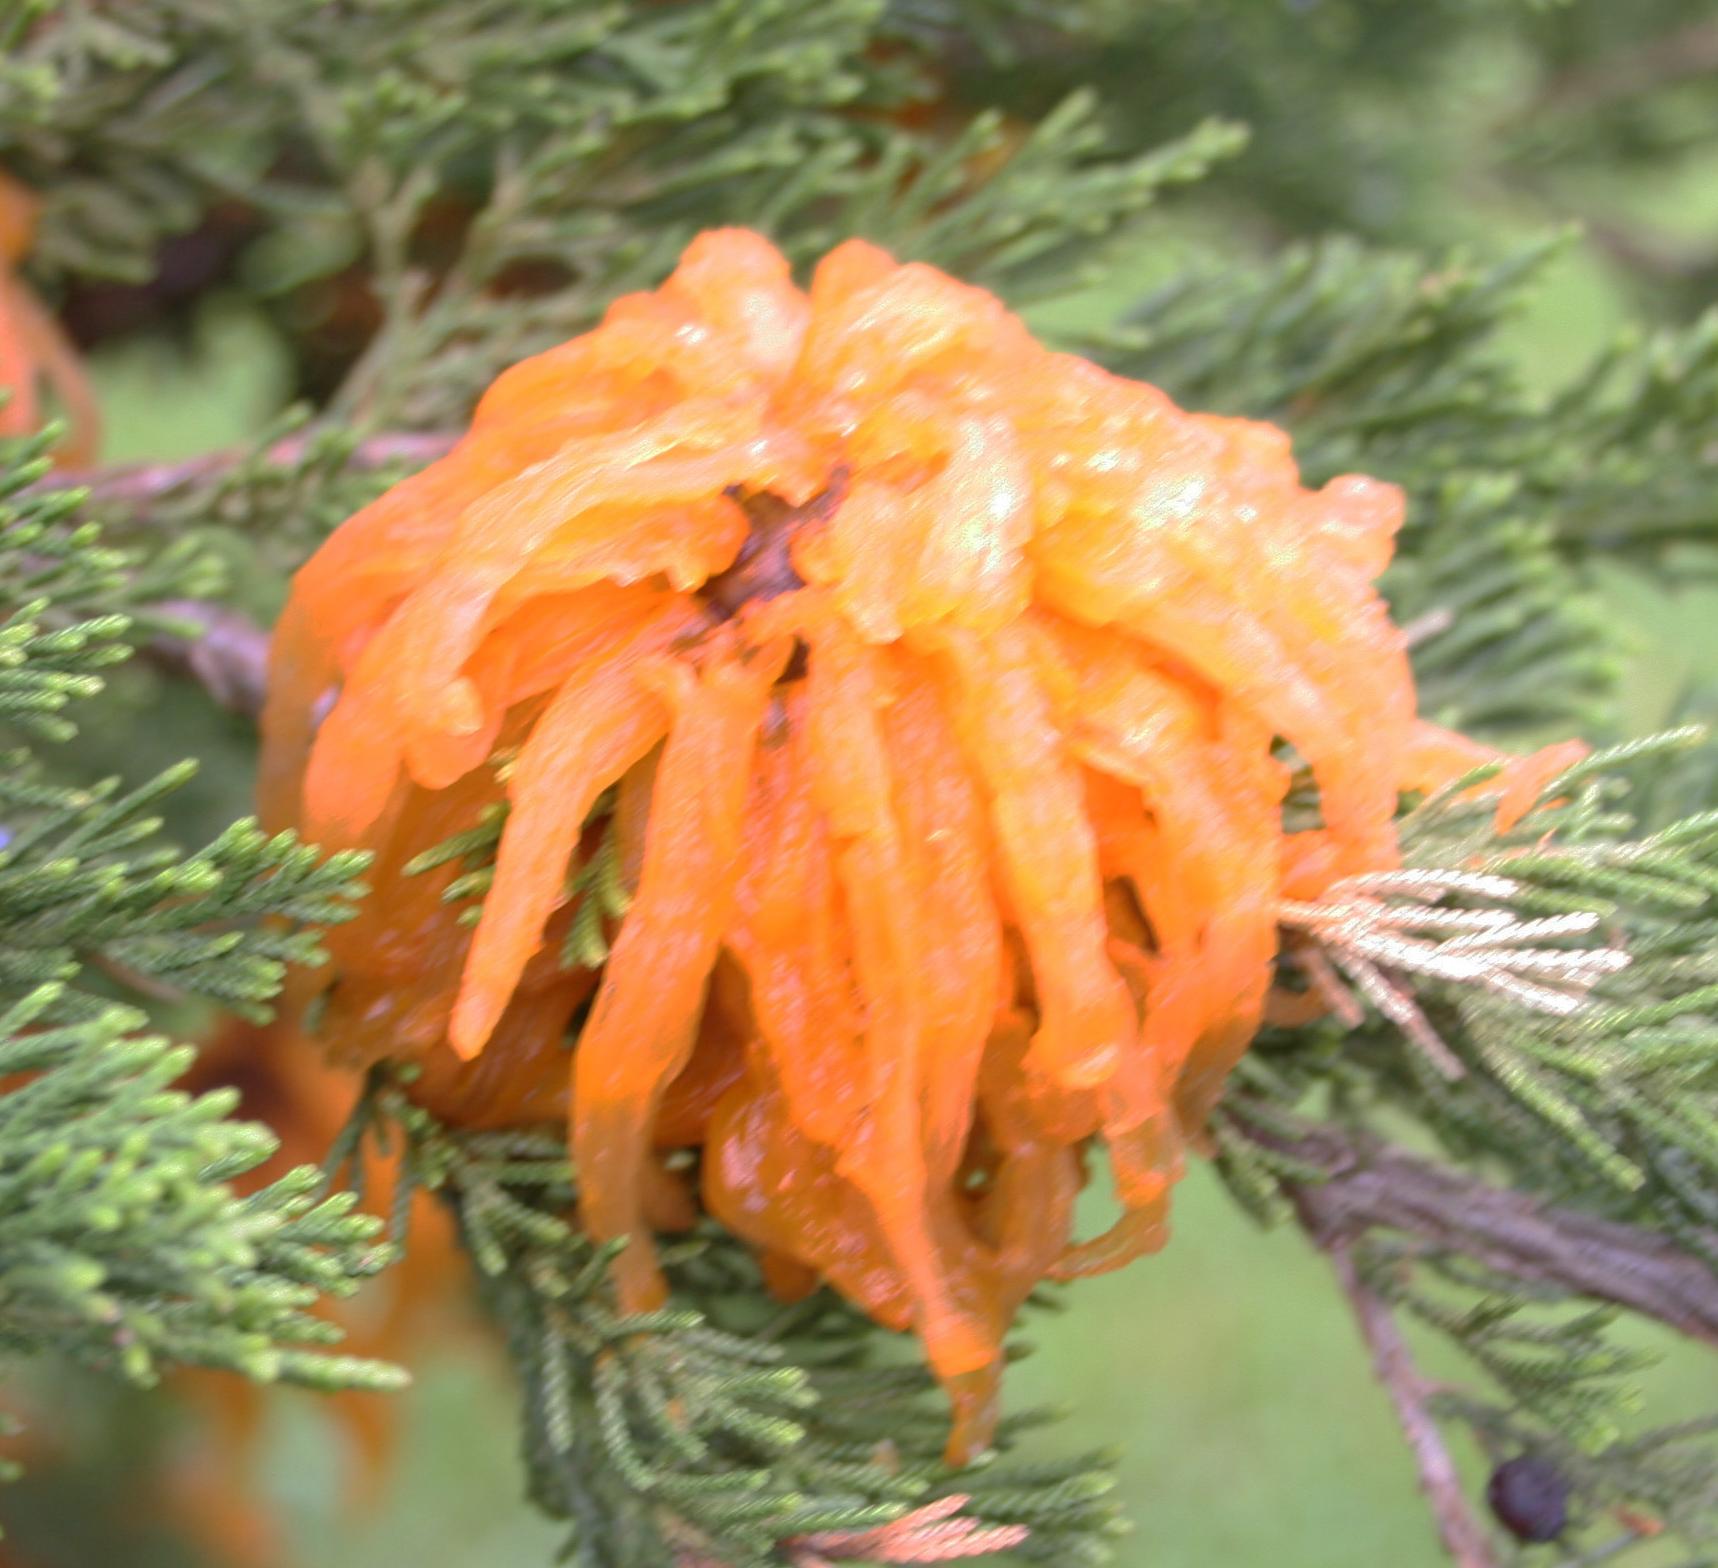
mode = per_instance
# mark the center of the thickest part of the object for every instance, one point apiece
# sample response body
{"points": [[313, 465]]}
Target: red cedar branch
{"points": [[227, 654], [1670, 57], [1368, 1186], [1464, 1537], [136, 484]]}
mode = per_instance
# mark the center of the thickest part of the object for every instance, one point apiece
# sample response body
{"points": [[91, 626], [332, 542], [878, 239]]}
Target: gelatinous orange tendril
{"points": [[925, 689]]}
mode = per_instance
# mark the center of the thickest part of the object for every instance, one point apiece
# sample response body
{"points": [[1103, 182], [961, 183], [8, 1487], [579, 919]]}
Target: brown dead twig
{"points": [[137, 484], [1465, 1538], [1365, 1185], [1368, 1187], [936, 1533], [1384, 928], [225, 652]]}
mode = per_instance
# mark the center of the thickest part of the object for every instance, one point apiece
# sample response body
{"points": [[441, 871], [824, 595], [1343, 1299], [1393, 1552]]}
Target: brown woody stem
{"points": [[227, 654], [1367, 1186], [1370, 1186], [1464, 1537], [137, 484]]}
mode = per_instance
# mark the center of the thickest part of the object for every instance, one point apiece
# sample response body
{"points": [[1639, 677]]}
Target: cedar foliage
{"points": [[123, 1245]]}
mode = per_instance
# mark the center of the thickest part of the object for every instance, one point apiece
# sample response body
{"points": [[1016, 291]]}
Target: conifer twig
{"points": [[1369, 1186], [1463, 1535], [137, 484], [227, 653], [1690, 50]]}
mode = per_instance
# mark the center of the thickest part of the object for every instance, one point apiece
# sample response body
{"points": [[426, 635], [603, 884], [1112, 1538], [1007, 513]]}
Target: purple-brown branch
{"points": [[1369, 1186], [137, 484], [226, 653]]}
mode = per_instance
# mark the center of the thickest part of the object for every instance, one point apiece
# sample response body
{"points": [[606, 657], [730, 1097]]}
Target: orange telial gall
{"points": [[922, 686]]}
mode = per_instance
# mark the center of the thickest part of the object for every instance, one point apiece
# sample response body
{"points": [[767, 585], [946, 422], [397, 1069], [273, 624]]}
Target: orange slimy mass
{"points": [[926, 684]]}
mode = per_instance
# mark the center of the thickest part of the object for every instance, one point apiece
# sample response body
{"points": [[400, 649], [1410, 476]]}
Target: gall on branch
{"points": [[922, 695]]}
